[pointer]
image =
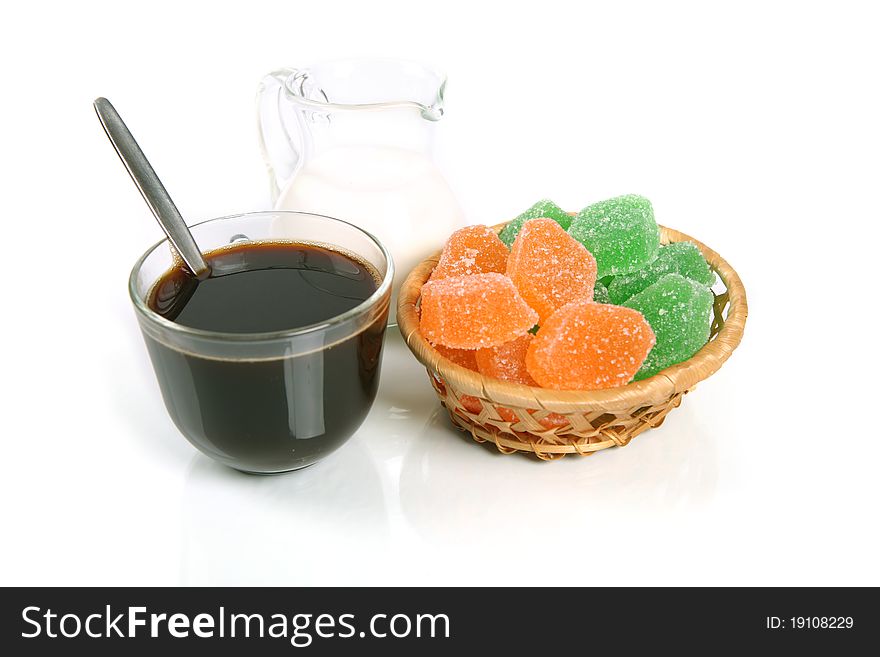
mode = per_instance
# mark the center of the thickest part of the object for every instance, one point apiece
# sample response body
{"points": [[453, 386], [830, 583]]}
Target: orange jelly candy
{"points": [[588, 346], [474, 312], [549, 267], [553, 421], [464, 357], [471, 250], [473, 405], [507, 361]]}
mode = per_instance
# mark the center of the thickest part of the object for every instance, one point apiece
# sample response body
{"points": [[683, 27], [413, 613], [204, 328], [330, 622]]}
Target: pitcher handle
{"points": [[282, 137]]}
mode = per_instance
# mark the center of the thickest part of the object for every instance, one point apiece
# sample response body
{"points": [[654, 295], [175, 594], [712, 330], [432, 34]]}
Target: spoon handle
{"points": [[151, 188]]}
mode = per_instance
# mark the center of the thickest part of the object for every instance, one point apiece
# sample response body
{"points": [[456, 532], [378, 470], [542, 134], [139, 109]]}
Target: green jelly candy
{"points": [[678, 258], [546, 209], [620, 233], [679, 311], [600, 293]]}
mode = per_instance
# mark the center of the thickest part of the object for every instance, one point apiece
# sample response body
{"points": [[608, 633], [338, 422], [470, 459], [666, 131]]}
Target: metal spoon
{"points": [[152, 189]]}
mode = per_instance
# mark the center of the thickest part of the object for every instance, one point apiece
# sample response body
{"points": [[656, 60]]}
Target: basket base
{"points": [[550, 446]]}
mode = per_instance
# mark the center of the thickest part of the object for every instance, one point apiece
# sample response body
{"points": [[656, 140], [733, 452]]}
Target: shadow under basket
{"points": [[553, 423]]}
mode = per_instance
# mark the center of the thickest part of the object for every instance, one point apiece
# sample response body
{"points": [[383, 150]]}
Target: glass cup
{"points": [[268, 402]]}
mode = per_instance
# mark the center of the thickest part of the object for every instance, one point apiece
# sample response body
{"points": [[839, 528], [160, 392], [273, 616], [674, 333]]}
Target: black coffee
{"points": [[269, 415]]}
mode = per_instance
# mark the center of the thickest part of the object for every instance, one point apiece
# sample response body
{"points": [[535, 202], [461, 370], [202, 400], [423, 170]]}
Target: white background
{"points": [[752, 127]]}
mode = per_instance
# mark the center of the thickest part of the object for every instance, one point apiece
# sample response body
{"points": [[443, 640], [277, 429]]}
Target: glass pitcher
{"points": [[354, 140]]}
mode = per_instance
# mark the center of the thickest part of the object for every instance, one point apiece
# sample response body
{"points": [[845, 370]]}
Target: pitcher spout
{"points": [[294, 102]]}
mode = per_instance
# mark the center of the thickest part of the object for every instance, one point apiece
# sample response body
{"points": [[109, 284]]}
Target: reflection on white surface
{"points": [[409, 490], [404, 403], [450, 486], [304, 527]]}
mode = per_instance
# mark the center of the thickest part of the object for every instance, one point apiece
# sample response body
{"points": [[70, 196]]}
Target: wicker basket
{"points": [[553, 423]]}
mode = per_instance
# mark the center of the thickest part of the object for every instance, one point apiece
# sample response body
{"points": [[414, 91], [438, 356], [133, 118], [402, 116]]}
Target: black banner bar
{"points": [[109, 621]]}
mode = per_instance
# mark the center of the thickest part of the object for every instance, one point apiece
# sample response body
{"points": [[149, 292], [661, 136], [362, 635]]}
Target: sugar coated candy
{"points": [[587, 346], [471, 250], [465, 357], [474, 312], [678, 258], [549, 267], [546, 209], [507, 361], [620, 233], [473, 405], [600, 293], [679, 311]]}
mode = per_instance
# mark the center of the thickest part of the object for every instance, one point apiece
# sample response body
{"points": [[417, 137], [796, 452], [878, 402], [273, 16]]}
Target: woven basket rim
{"points": [[675, 379]]}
